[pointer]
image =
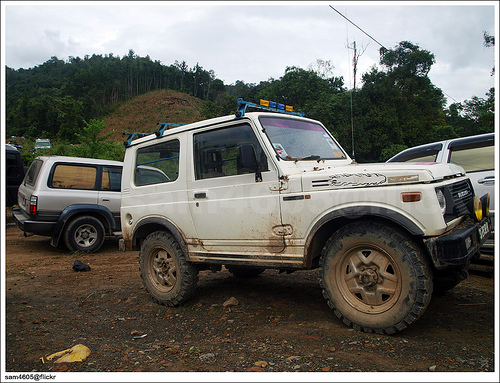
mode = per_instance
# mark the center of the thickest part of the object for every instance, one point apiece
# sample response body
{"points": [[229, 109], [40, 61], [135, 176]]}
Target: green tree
{"points": [[399, 107], [94, 144], [478, 115], [70, 119], [489, 42], [407, 60], [298, 87]]}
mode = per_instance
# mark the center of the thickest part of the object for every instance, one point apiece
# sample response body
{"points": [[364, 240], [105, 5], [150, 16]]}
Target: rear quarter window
{"points": [[33, 171], [66, 176], [111, 179], [157, 164]]}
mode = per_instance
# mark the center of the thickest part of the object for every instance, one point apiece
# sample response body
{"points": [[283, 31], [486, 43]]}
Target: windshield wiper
{"points": [[309, 158]]}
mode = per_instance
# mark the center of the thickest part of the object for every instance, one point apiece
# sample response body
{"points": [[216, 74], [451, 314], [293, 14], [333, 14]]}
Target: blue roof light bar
{"points": [[270, 106]]}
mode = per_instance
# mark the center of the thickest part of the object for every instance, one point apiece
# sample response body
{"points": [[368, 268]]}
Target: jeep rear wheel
{"points": [[84, 233], [374, 278], [167, 276]]}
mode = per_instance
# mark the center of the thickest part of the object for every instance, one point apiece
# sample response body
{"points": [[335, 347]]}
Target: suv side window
{"points": [[111, 179], [473, 159], [425, 154], [67, 176], [219, 153], [157, 163]]}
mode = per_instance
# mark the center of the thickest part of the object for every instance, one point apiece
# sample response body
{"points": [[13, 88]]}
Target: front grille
{"points": [[459, 197]]}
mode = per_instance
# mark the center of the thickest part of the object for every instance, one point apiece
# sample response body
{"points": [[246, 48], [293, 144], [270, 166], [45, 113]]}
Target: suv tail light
{"points": [[33, 204]]}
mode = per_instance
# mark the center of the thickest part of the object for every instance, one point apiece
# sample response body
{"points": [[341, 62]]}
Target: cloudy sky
{"points": [[255, 41]]}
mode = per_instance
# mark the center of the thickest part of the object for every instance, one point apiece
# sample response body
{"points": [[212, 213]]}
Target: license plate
{"points": [[484, 230]]}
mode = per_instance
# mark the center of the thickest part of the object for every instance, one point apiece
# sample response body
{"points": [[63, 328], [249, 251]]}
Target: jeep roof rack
{"points": [[158, 133], [270, 106]]}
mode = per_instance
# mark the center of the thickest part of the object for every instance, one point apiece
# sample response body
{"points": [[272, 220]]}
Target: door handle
{"points": [[200, 195], [486, 180], [105, 200]]}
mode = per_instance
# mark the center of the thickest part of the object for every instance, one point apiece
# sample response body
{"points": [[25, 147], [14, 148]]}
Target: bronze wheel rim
{"points": [[368, 278], [162, 270]]}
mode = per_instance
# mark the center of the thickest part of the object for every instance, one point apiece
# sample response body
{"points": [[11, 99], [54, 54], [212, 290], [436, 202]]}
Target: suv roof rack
{"points": [[270, 106], [163, 126]]}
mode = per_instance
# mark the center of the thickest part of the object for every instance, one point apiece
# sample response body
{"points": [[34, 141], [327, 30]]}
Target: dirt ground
{"points": [[278, 322]]}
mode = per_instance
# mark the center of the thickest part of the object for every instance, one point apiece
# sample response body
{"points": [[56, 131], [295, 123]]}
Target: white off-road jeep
{"points": [[265, 190]]}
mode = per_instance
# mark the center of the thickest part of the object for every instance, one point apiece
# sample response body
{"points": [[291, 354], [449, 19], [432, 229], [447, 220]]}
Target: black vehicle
{"points": [[15, 144], [14, 173]]}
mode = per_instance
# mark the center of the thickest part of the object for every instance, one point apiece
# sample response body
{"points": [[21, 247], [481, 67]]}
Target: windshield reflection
{"points": [[297, 140]]}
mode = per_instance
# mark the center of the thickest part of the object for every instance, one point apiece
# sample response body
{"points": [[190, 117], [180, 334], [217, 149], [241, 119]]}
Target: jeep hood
{"points": [[367, 175]]}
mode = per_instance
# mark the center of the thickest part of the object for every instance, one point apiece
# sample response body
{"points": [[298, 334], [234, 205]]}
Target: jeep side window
{"points": [[157, 163], [73, 177], [227, 152]]}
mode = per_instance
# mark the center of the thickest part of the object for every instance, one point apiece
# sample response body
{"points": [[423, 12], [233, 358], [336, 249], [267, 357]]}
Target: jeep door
{"points": [[233, 197]]}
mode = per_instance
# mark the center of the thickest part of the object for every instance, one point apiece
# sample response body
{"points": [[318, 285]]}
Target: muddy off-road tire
{"points": [[375, 278], [84, 233], [166, 274], [245, 272]]}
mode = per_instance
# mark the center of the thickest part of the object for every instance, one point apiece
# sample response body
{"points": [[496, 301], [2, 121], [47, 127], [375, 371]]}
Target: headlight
{"points": [[478, 209], [441, 199], [485, 201]]}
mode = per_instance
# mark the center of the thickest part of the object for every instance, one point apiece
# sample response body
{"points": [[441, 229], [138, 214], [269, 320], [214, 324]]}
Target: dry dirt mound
{"points": [[144, 112]]}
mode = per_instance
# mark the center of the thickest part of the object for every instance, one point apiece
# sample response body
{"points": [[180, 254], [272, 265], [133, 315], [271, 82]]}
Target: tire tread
{"points": [[424, 278]]}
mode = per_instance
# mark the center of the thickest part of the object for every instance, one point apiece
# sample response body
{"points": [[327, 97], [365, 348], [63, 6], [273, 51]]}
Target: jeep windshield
{"points": [[297, 140]]}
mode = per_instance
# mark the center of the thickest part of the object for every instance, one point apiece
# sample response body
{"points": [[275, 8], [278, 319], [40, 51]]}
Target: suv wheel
{"points": [[374, 278], [84, 234], [167, 276]]}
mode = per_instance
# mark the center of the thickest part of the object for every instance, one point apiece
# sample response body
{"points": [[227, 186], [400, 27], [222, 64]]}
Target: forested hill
{"points": [[55, 97], [395, 107]]}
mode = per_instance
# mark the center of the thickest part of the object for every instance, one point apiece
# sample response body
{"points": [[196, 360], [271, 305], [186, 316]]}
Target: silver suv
{"points": [[476, 154], [73, 199]]}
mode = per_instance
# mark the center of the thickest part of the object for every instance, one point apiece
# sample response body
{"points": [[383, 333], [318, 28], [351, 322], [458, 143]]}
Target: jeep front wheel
{"points": [[84, 233], [375, 278], [165, 272]]}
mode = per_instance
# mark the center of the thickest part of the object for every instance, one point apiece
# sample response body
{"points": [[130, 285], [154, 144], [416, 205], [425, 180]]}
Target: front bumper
{"points": [[30, 226], [458, 246]]}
